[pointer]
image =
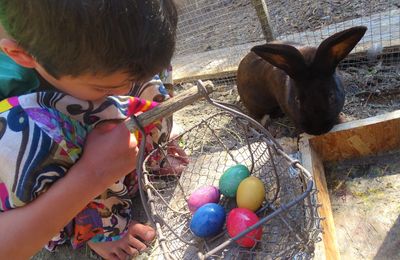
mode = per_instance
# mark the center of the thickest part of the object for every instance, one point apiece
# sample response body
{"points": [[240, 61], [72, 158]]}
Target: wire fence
{"points": [[213, 145], [213, 37]]}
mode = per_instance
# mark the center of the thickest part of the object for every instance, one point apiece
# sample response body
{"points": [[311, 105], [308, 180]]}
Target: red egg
{"points": [[239, 219]]}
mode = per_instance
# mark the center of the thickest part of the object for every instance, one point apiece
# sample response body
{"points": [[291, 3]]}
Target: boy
{"points": [[89, 50]]}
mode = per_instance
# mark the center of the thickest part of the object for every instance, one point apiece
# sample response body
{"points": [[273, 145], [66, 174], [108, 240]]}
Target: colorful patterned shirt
{"points": [[42, 135]]}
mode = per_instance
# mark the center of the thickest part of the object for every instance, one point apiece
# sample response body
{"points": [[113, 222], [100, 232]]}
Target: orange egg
{"points": [[250, 193]]}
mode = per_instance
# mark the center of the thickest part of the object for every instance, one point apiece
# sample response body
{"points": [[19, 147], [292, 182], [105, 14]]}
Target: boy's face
{"points": [[89, 86], [85, 87]]}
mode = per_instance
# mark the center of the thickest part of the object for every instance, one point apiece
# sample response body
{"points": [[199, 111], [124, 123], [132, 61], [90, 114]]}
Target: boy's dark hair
{"points": [[73, 37]]}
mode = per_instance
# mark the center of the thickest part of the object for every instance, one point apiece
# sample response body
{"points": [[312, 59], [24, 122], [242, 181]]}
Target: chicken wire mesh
{"points": [[213, 36], [288, 216]]}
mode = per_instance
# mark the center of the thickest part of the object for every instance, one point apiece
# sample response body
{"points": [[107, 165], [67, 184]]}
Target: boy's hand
{"points": [[110, 153]]}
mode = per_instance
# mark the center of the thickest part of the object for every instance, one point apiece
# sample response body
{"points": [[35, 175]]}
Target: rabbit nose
{"points": [[318, 128]]}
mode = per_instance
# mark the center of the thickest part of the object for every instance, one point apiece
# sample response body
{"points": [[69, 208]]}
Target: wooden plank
{"points": [[312, 162], [359, 138], [211, 64], [383, 29]]}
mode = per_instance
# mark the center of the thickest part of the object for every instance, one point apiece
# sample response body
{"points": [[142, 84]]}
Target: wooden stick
{"points": [[172, 105], [263, 16]]}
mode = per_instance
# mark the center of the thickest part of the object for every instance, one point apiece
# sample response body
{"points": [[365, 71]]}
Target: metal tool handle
{"points": [[172, 105]]}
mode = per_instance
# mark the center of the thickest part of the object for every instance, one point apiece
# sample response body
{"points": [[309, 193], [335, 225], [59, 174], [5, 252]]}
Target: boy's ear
{"points": [[15, 52]]}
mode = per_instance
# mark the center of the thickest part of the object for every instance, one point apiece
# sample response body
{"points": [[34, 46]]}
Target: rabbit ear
{"points": [[335, 48], [285, 57]]}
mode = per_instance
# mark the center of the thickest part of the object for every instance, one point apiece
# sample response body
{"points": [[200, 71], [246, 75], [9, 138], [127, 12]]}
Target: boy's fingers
{"points": [[130, 250], [133, 141], [113, 257], [121, 254], [136, 243]]}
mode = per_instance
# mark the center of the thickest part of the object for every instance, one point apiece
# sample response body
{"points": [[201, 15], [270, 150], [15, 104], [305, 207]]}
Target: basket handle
{"points": [[172, 105]]}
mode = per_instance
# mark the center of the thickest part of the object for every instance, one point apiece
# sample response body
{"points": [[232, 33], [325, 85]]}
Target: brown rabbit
{"points": [[300, 81]]}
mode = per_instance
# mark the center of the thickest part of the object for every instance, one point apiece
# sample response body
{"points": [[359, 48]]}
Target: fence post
{"points": [[263, 16]]}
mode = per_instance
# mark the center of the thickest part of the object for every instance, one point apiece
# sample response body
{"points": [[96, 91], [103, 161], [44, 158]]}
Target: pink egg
{"points": [[239, 219], [203, 195]]}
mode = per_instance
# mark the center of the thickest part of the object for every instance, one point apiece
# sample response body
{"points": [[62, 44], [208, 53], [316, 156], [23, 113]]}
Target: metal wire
{"points": [[213, 37], [290, 213]]}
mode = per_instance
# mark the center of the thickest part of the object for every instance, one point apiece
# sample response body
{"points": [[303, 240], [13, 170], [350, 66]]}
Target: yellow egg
{"points": [[250, 193]]}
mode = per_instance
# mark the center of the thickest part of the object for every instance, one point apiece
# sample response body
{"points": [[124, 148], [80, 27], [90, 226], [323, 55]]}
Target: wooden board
{"points": [[311, 160], [212, 64], [346, 141], [384, 28], [359, 138]]}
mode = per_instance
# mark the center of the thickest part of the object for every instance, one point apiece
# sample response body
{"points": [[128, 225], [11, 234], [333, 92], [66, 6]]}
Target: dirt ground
{"points": [[207, 24], [302, 15], [366, 206]]}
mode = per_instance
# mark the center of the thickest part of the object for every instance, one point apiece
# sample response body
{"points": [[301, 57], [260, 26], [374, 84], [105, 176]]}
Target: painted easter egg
{"points": [[230, 180], [203, 195], [250, 193], [238, 220], [208, 220]]}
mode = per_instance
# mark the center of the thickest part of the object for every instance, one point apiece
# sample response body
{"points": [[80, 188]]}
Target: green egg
{"points": [[230, 180]]}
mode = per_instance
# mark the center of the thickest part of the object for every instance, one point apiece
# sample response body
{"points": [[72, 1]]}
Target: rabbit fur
{"points": [[300, 81]]}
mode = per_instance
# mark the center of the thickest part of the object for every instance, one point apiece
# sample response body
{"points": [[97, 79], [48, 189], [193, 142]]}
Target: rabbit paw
{"points": [[265, 120], [341, 118]]}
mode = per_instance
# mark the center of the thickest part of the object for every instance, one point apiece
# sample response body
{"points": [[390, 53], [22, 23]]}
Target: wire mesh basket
{"points": [[288, 216]]}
